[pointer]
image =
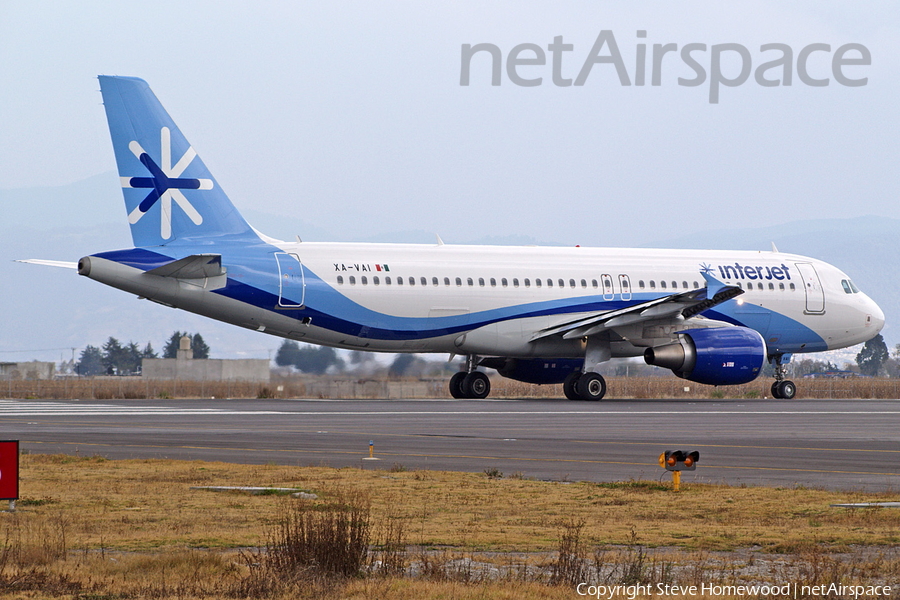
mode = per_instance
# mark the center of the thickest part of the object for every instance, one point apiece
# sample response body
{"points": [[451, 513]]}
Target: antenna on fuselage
{"points": [[774, 249]]}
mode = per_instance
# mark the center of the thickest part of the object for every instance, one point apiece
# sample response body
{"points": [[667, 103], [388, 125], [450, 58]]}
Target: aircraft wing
{"points": [[684, 304]]}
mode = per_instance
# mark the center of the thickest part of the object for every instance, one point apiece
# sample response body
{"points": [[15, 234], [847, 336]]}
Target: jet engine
{"points": [[717, 356], [533, 370]]}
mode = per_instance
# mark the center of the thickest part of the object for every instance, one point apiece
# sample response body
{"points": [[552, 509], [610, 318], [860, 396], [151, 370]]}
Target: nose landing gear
{"points": [[783, 389]]}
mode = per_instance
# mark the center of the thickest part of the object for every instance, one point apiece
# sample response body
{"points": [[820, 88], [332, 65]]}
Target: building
{"points": [[186, 368], [27, 370]]}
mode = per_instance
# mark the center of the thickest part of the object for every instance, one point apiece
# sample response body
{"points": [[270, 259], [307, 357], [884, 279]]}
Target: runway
{"points": [[836, 444]]}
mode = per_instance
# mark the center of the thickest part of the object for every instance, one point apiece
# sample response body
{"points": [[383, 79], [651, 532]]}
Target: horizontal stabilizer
{"points": [[196, 266], [49, 263]]}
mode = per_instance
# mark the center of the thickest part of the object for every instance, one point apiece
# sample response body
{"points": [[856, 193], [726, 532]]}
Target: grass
{"points": [[93, 528]]}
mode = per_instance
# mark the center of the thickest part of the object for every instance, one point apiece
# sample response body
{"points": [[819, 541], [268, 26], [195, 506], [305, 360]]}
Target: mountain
{"points": [[48, 311]]}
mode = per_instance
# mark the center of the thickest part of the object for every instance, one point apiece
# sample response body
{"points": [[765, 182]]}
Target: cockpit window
{"points": [[849, 287]]}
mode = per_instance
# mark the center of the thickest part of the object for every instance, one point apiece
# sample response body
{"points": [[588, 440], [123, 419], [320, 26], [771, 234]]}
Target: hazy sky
{"points": [[350, 115]]}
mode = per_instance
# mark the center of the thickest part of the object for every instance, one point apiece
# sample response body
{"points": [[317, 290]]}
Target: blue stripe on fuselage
{"points": [[252, 279]]}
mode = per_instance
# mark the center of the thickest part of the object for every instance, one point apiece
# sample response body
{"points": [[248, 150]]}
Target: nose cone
{"points": [[874, 317]]}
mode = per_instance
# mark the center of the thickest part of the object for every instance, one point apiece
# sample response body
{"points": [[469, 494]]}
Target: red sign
{"points": [[9, 470]]}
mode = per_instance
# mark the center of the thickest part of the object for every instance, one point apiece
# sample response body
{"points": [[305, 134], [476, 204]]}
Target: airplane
{"points": [[545, 315]]}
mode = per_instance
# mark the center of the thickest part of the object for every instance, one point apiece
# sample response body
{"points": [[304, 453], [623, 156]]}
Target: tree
{"points": [[308, 359], [201, 350], [288, 354], [401, 365], [198, 346], [121, 360], [170, 350], [90, 362], [148, 352], [873, 355]]}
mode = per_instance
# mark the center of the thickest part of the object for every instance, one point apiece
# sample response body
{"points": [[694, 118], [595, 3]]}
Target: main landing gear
{"points": [[470, 383], [584, 386], [783, 389]]}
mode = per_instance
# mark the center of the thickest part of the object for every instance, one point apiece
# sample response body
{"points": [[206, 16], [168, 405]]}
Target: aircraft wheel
{"points": [[776, 393], [787, 390], [456, 382], [591, 386], [476, 385], [569, 385]]}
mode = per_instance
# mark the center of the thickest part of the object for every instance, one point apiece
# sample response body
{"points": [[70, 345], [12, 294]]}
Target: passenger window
{"points": [[527, 282], [387, 281], [641, 283], [696, 285], [399, 281], [781, 286], [771, 286], [470, 281], [493, 282], [674, 285], [571, 283], [662, 284], [652, 284], [684, 284], [793, 288], [376, 280], [458, 282], [537, 282], [503, 282], [434, 281], [364, 280], [352, 280], [561, 283], [515, 282], [594, 283], [549, 283], [607, 284], [340, 279], [583, 283], [446, 281]]}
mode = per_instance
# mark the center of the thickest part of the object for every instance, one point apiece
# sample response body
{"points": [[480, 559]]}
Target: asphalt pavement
{"points": [[837, 444]]}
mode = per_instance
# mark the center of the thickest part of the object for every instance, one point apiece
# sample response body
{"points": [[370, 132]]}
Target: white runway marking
{"points": [[25, 408]]}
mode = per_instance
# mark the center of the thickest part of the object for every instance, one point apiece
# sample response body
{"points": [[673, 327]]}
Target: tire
{"points": [[787, 390], [476, 385], [776, 392], [456, 382], [591, 386], [569, 385]]}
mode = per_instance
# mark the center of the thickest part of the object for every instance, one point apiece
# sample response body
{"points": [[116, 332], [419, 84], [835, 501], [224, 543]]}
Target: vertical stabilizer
{"points": [[170, 195]]}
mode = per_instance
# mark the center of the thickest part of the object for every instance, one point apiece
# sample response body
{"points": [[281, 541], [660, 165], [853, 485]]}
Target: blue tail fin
{"points": [[169, 193]]}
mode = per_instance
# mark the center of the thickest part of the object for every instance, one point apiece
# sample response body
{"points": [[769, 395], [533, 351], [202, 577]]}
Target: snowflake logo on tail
{"points": [[165, 184]]}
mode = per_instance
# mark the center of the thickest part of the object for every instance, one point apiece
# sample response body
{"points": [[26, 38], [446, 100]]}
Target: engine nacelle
{"points": [[717, 356], [534, 370]]}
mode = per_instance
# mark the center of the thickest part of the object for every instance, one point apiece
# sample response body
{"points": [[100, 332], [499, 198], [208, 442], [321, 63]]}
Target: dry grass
{"points": [[94, 528], [106, 388]]}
